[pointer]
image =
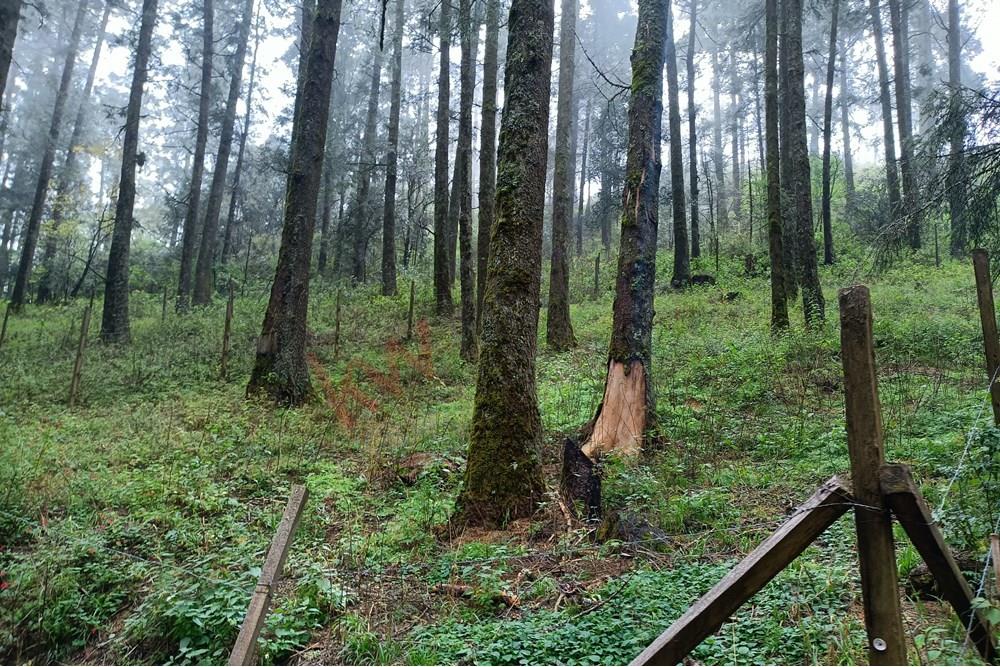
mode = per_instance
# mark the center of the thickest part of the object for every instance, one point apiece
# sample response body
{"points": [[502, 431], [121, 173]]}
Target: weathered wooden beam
{"points": [[773, 555], [904, 498], [873, 523], [988, 320], [246, 642]]}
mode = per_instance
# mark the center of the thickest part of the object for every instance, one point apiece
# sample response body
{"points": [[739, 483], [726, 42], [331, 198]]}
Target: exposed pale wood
{"points": [[988, 319], [621, 421], [703, 618], [74, 383], [227, 332], [904, 498], [876, 552], [246, 642]]}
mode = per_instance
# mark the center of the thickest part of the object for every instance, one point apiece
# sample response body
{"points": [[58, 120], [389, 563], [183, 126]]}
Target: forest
{"points": [[499, 332]]}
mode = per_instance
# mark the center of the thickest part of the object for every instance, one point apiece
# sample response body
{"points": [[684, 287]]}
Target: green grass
{"points": [[132, 526]]}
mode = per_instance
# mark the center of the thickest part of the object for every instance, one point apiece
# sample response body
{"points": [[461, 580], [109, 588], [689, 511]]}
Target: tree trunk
{"points": [[360, 211], [68, 177], [469, 350], [280, 371], [392, 160], [583, 180], [789, 222], [204, 277], [779, 302], [33, 226], [831, 64], [889, 138], [904, 116], [801, 186], [627, 411], [956, 159], [718, 157], [442, 273], [189, 238], [692, 131], [487, 153], [10, 16], [234, 190], [559, 327], [734, 103], [682, 258], [503, 477], [326, 217], [114, 318], [845, 122]]}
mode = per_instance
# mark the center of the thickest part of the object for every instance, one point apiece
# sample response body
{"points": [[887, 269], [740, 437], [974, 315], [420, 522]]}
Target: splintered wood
{"points": [[622, 419]]}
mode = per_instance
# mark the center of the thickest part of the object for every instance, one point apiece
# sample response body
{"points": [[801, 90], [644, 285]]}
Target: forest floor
{"points": [[133, 526]]}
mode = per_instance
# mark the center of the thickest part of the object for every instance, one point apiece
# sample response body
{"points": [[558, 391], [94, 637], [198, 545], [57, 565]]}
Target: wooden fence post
{"points": [[227, 333], [995, 555], [409, 317], [876, 553], [336, 329], [3, 329], [74, 383], [246, 642], [597, 276], [988, 317]]}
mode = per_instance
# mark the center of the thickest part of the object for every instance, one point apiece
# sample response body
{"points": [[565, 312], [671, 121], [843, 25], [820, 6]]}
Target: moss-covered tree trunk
{"points": [[33, 226], [827, 136], [692, 110], [798, 153], [558, 326], [10, 16], [789, 225], [204, 272], [957, 130], [779, 300], [114, 317], [392, 159], [628, 408], [469, 349], [487, 153], [503, 477], [444, 305], [189, 234], [682, 256], [280, 371]]}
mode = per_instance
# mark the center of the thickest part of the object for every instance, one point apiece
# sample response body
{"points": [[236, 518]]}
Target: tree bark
{"points": [[956, 160], [845, 122], [627, 410], [583, 180], [559, 327], [469, 350], [801, 187], [442, 273], [34, 223], [692, 131], [234, 190], [392, 160], [789, 221], [888, 136], [360, 211], [503, 477], [68, 177], [204, 276], [718, 156], [899, 18], [736, 195], [10, 16], [831, 65], [487, 153], [682, 257], [779, 299], [189, 237], [280, 371], [114, 317]]}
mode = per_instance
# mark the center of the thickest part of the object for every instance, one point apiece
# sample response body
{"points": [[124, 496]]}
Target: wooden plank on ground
{"points": [[708, 614], [903, 497], [246, 642]]}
